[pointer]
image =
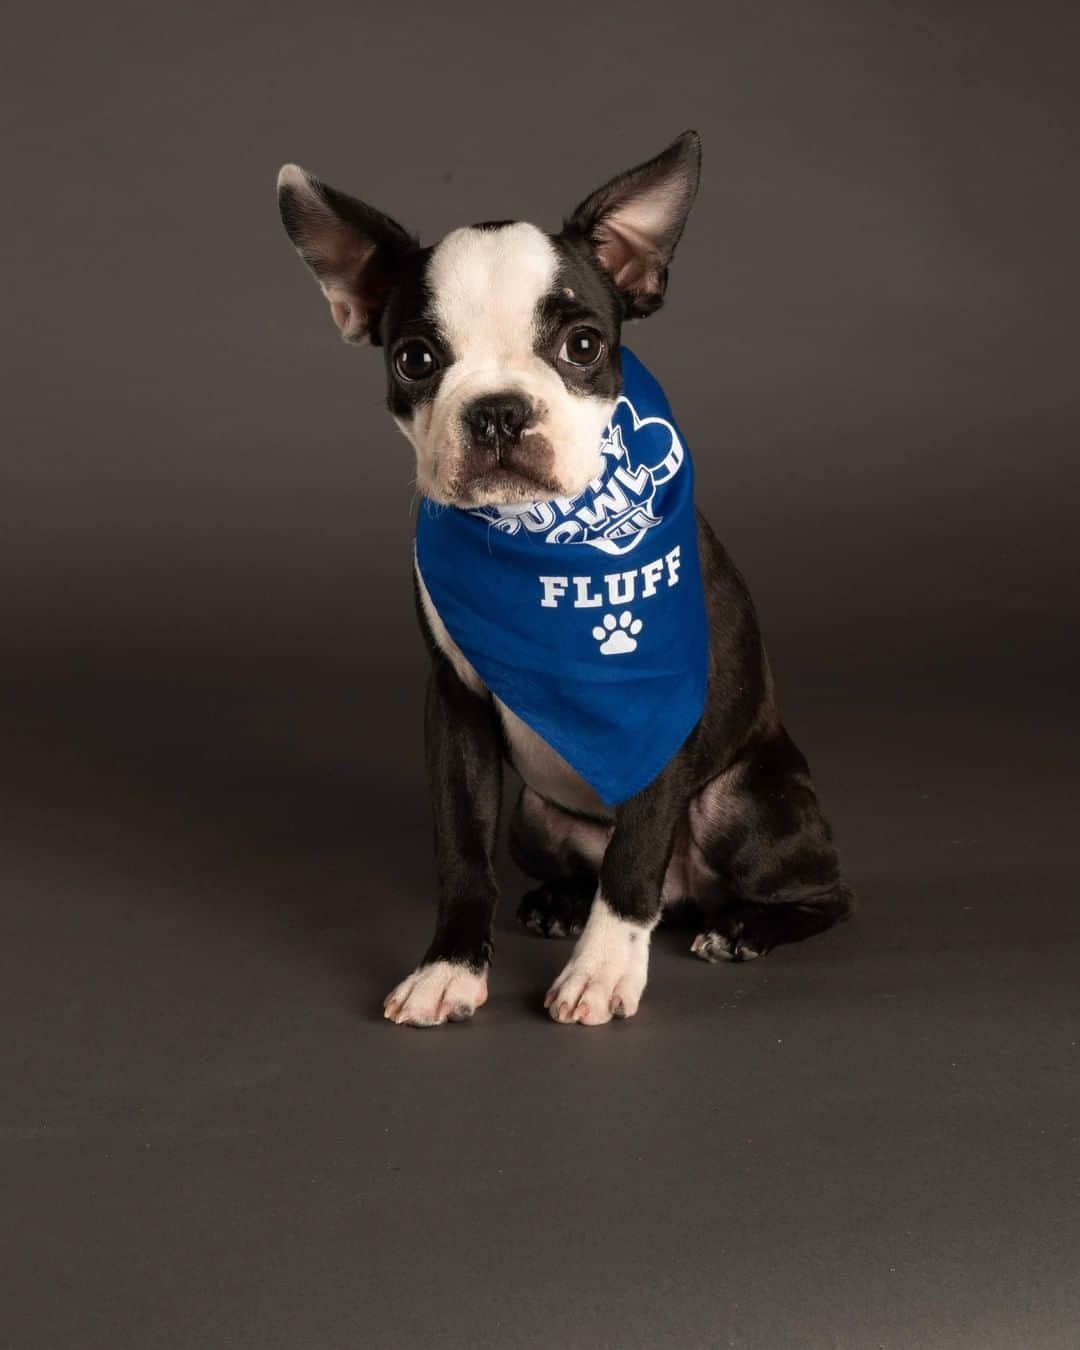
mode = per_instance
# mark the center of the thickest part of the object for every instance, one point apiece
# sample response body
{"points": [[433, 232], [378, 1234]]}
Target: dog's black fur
{"points": [[765, 843]]}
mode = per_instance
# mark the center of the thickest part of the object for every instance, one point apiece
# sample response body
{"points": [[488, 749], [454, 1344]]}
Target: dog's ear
{"points": [[634, 222], [353, 250]]}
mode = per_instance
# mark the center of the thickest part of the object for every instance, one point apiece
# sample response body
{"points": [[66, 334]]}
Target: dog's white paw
{"points": [[606, 975], [431, 995]]}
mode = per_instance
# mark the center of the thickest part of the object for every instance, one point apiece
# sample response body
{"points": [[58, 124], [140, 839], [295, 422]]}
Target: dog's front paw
{"points": [[606, 975], [441, 992]]}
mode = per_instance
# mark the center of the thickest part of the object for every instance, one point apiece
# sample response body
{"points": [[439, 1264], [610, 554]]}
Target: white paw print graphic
{"points": [[619, 636]]}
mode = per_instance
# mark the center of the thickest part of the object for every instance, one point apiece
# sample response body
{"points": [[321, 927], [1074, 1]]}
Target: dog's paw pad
{"points": [[617, 635]]}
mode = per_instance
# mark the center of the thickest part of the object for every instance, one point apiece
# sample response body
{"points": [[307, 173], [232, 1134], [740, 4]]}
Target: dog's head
{"points": [[501, 341]]}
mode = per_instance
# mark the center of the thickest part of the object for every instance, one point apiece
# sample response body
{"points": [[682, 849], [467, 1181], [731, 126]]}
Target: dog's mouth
{"points": [[492, 476], [504, 487]]}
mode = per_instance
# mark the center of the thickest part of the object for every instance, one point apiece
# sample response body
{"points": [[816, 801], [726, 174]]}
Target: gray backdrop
{"points": [[216, 840]]}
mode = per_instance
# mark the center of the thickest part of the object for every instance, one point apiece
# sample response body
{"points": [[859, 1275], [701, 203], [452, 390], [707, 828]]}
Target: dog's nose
{"points": [[498, 420]]}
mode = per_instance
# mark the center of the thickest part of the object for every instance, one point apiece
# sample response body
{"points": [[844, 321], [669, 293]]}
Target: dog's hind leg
{"points": [[563, 851], [762, 834]]}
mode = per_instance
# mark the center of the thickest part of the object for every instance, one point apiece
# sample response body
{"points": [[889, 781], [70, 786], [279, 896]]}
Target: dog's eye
{"points": [[414, 360], [583, 347]]}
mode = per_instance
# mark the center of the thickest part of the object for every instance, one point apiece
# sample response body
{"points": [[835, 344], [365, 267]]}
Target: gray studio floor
{"points": [[211, 1139]]}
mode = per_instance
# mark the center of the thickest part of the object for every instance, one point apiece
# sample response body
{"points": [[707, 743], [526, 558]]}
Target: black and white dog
{"points": [[503, 367]]}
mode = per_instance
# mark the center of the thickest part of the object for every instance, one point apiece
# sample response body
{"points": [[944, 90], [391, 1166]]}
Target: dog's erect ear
{"points": [[634, 222], [353, 250]]}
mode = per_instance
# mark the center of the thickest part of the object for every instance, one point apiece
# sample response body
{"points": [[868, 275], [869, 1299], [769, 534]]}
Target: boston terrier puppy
{"points": [[582, 622]]}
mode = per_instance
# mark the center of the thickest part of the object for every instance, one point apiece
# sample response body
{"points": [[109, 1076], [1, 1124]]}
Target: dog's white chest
{"points": [[543, 768]]}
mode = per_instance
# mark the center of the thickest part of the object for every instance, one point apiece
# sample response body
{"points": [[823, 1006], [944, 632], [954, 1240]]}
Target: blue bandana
{"points": [[586, 615]]}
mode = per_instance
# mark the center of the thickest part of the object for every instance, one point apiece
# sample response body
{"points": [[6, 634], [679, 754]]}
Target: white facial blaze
{"points": [[486, 285]]}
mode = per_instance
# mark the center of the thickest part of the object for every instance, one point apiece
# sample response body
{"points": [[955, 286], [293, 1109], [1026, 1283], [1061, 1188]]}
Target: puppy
{"points": [[505, 371]]}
